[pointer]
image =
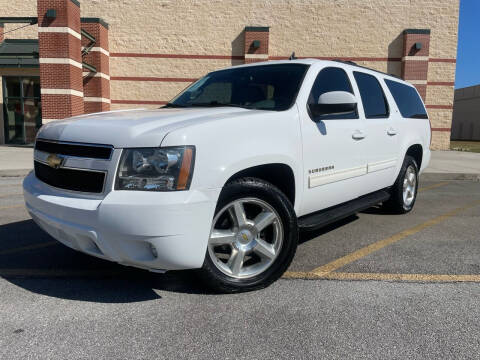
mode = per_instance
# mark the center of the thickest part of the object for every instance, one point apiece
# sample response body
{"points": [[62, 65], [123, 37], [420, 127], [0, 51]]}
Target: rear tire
{"points": [[253, 238], [404, 192]]}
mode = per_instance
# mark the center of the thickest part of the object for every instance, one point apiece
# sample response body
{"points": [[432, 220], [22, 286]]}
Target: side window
{"points": [[374, 102], [331, 79], [407, 99]]}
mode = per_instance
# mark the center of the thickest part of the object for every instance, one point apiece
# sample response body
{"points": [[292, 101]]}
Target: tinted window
{"points": [[266, 87], [331, 79], [373, 99], [407, 99]]}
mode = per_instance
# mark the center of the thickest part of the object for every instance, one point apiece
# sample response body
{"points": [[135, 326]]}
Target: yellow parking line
{"points": [[300, 275], [405, 277], [29, 247], [325, 271], [434, 186], [12, 206], [356, 255], [9, 195], [383, 277]]}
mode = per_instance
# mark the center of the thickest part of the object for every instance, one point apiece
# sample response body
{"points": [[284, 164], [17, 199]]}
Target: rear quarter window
{"points": [[407, 100]]}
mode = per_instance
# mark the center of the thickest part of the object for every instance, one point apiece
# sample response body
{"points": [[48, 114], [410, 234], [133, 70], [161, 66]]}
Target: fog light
{"points": [[153, 249]]}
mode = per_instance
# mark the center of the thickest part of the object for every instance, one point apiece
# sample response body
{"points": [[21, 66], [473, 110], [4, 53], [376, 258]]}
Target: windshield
{"points": [[264, 87]]}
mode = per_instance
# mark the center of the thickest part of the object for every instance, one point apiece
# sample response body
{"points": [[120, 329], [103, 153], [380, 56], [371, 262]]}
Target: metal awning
{"points": [[19, 53]]}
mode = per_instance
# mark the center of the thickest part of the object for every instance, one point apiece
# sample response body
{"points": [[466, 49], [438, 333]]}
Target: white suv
{"points": [[223, 177]]}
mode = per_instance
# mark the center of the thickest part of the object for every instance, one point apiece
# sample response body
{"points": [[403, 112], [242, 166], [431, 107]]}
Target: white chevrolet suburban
{"points": [[224, 176]]}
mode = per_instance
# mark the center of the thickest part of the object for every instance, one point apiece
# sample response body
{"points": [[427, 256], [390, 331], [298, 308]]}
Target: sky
{"points": [[468, 52]]}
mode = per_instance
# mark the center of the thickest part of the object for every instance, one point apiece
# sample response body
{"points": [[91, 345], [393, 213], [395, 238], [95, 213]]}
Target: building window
{"points": [[22, 110]]}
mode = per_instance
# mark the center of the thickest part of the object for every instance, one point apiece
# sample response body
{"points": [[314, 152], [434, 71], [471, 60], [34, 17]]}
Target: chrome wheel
{"points": [[246, 238], [409, 186]]}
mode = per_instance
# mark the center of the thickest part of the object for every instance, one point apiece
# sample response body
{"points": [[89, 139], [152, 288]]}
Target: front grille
{"points": [[71, 149], [70, 179]]}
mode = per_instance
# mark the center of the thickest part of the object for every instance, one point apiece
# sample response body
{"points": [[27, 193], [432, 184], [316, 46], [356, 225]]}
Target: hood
{"points": [[132, 128]]}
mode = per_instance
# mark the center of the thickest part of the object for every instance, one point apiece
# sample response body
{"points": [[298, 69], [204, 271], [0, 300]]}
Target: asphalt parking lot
{"points": [[372, 286]]}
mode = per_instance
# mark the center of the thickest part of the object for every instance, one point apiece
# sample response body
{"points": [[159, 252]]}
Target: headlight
{"points": [[156, 169]]}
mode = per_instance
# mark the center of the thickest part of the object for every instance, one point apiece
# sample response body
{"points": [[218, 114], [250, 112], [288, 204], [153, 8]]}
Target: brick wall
{"points": [[153, 53], [96, 85], [60, 59], [256, 44], [416, 46]]}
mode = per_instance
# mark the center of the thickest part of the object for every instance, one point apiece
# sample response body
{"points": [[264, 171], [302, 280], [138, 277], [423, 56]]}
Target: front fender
{"points": [[227, 146]]}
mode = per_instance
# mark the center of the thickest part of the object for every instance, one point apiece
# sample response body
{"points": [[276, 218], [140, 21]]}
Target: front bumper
{"points": [[124, 225]]}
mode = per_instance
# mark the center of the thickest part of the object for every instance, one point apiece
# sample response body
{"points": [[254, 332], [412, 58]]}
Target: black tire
{"points": [[264, 191], [396, 203]]}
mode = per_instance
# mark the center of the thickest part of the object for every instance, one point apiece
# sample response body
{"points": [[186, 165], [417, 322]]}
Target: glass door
{"points": [[21, 108]]}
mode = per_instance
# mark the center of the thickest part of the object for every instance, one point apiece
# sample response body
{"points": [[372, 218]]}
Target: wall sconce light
{"points": [[256, 44], [51, 13], [418, 46]]}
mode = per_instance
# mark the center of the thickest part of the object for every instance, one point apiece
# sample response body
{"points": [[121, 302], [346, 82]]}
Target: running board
{"points": [[324, 217]]}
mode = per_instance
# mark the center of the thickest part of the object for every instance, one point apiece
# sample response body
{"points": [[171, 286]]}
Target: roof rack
{"points": [[348, 62]]}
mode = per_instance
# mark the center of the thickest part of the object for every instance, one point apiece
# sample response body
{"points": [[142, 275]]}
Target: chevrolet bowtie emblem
{"points": [[245, 237], [54, 161]]}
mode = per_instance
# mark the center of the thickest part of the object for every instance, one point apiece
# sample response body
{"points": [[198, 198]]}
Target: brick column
{"points": [[256, 43], [2, 29], [96, 85], [60, 58], [416, 44]]}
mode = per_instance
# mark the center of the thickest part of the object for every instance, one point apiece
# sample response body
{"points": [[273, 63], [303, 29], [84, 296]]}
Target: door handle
{"points": [[391, 131], [358, 135]]}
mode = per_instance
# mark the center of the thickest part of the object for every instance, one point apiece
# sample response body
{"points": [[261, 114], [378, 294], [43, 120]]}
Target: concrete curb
{"points": [[15, 173], [449, 176]]}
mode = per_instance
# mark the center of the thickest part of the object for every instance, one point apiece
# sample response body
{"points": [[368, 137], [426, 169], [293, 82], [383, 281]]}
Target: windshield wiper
{"points": [[205, 104], [218, 104]]}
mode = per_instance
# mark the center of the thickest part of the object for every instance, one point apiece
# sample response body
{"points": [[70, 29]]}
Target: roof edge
{"points": [[417, 31], [257, 28], [94, 20]]}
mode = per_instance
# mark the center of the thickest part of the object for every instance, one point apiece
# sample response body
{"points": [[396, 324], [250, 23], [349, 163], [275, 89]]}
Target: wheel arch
{"points": [[416, 151], [279, 174]]}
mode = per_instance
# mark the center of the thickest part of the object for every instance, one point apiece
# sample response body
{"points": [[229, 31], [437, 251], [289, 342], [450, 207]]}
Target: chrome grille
{"points": [[72, 166], [70, 179], [74, 149]]}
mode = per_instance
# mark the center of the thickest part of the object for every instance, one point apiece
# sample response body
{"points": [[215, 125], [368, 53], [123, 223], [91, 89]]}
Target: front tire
{"points": [[253, 238], [404, 192]]}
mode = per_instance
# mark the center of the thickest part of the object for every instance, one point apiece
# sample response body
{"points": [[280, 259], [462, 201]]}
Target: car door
{"points": [[333, 147], [381, 122]]}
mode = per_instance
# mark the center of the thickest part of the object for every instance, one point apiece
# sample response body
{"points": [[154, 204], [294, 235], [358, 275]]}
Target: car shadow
{"points": [[377, 210], [306, 235], [395, 53], [238, 48], [34, 261]]}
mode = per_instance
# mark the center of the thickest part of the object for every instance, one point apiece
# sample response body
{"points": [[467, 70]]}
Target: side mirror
{"points": [[334, 103]]}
